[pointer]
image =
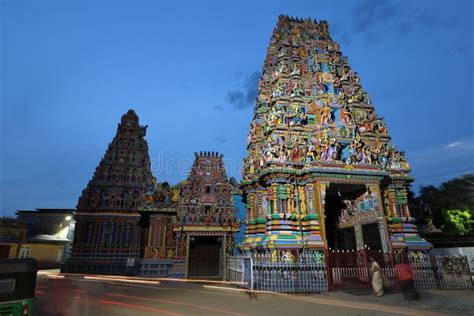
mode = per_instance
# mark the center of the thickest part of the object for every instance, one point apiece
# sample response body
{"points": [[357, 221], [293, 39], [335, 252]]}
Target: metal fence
{"points": [[453, 272], [351, 269], [307, 271], [420, 266], [235, 269], [281, 271], [443, 272]]}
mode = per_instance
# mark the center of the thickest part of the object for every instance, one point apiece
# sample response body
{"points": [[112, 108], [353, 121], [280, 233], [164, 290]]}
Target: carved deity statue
{"points": [[326, 114]]}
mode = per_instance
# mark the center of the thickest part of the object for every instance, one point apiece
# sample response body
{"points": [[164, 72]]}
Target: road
{"points": [[89, 295]]}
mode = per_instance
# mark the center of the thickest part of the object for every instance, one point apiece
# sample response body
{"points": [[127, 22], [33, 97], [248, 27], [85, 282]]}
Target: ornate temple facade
{"points": [[207, 217], [159, 210], [322, 171], [128, 223]]}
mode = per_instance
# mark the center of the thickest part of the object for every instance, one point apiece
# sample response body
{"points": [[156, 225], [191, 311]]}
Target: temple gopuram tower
{"points": [[322, 171], [108, 230], [206, 218]]}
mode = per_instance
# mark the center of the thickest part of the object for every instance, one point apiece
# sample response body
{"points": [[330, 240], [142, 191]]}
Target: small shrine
{"points": [[206, 218], [322, 171]]}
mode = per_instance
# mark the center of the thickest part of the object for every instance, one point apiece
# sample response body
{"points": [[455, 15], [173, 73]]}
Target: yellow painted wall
{"points": [[45, 252]]}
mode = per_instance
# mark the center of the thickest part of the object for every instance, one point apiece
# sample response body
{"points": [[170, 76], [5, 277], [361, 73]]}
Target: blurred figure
{"points": [[376, 277], [405, 279]]}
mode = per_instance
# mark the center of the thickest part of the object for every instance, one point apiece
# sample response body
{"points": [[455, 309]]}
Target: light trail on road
{"points": [[122, 280], [133, 306], [80, 291], [153, 279], [55, 276], [177, 303], [94, 297]]}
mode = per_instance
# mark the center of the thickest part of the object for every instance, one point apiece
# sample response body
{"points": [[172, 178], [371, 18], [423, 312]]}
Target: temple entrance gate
{"points": [[352, 213], [205, 257], [354, 233]]}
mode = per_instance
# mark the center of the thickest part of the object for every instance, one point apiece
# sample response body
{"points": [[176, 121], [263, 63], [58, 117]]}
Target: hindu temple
{"points": [[108, 222], [322, 171], [129, 223], [207, 217], [322, 174]]}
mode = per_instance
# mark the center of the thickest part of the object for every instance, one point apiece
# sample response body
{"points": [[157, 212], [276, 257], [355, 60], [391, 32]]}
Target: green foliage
{"points": [[456, 194], [458, 222]]}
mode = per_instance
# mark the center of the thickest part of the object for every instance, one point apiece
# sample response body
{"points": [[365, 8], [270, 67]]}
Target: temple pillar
{"points": [[359, 236], [260, 221], [402, 228], [224, 257], [188, 241], [282, 231], [381, 222], [249, 236], [315, 237], [274, 190]]}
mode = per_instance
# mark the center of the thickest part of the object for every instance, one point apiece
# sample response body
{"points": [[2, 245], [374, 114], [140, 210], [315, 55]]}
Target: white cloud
{"points": [[455, 144]]}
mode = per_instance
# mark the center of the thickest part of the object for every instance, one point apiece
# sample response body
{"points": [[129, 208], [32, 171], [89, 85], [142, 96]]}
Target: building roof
{"points": [[12, 222], [49, 210]]}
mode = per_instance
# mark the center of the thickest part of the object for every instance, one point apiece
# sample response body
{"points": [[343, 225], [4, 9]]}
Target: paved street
{"points": [[89, 295]]}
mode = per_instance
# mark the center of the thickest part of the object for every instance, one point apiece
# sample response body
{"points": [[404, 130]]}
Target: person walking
{"points": [[405, 279], [376, 277]]}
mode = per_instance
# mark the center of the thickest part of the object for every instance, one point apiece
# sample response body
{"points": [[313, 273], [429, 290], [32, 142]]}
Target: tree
{"points": [[456, 194], [458, 222]]}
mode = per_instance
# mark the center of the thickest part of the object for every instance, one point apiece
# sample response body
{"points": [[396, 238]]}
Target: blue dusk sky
{"points": [[70, 69]]}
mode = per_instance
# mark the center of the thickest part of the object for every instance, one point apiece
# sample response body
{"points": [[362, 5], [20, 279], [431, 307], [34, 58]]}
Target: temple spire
{"points": [[123, 174]]}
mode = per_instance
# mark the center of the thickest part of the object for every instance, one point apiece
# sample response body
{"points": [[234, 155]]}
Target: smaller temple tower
{"points": [[108, 232], [206, 217]]}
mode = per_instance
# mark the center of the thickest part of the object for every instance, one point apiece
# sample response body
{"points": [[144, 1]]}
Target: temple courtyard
{"points": [[107, 295]]}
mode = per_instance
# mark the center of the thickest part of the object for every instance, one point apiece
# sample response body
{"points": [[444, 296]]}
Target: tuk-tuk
{"points": [[17, 286]]}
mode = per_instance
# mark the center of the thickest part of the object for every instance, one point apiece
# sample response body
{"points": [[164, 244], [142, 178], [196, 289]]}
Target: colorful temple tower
{"points": [[128, 223], [109, 225], [206, 217], [322, 171]]}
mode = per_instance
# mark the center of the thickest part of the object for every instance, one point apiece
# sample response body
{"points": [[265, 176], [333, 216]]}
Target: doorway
{"points": [[340, 239], [205, 257], [345, 239], [371, 235]]}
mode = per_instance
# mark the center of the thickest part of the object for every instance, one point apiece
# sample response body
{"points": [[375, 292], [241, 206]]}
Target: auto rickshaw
{"points": [[17, 286]]}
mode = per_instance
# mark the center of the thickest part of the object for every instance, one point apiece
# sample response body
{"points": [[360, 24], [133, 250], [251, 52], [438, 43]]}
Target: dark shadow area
{"points": [[340, 239], [204, 256], [371, 235]]}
